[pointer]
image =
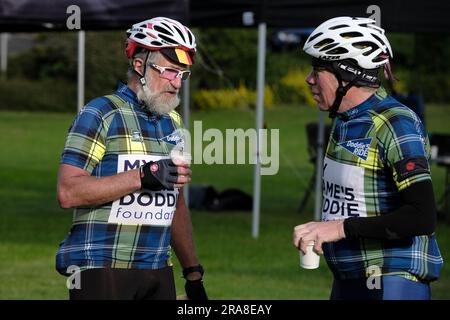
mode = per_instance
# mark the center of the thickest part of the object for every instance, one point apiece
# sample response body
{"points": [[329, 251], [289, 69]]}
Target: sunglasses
{"points": [[317, 69], [171, 73]]}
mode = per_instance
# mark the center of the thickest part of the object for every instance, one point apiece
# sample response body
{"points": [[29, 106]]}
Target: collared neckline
{"points": [[369, 103], [126, 93], [130, 96]]}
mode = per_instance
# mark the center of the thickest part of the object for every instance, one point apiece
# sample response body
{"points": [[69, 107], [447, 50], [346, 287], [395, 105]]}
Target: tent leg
{"points": [[319, 165], [308, 191], [262, 30], [81, 69], [4, 54]]}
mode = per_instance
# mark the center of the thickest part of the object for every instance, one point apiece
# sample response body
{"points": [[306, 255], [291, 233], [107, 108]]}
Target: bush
{"points": [[230, 50], [49, 95], [403, 84], [240, 98], [421, 83], [54, 56], [293, 88]]}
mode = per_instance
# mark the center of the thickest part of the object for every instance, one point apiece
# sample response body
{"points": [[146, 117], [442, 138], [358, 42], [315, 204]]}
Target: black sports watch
{"points": [[189, 270]]}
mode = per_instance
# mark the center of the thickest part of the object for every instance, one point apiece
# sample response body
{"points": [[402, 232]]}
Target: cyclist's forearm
{"points": [[182, 241], [416, 217], [84, 190]]}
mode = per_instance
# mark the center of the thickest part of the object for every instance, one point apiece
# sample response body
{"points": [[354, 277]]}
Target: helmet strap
{"points": [[142, 76], [341, 91]]}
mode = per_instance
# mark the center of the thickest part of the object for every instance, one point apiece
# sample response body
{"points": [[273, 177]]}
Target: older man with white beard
{"points": [[159, 97], [126, 191]]}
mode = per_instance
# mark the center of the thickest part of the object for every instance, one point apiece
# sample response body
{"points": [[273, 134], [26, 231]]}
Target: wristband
{"points": [[188, 270]]}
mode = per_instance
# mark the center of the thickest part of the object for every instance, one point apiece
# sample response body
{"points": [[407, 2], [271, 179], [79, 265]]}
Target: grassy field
{"points": [[237, 266]]}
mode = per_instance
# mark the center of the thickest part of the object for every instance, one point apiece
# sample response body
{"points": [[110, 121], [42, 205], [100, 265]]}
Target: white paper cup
{"points": [[311, 259], [434, 152], [179, 157]]}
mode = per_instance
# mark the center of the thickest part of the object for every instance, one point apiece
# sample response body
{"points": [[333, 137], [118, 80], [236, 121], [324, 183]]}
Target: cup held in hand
{"points": [[180, 157], [311, 259]]}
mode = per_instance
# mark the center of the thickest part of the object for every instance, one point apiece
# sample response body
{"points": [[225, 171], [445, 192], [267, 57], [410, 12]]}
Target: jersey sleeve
{"points": [[405, 148], [86, 139]]}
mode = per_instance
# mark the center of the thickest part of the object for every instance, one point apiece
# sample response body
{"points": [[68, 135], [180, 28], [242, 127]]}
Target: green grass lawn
{"points": [[237, 266]]}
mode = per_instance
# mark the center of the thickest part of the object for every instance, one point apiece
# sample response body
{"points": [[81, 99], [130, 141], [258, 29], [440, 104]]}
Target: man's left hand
{"points": [[195, 290]]}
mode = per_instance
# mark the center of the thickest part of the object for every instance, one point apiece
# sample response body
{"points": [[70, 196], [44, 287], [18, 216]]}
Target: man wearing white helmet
{"points": [[378, 212], [126, 191]]}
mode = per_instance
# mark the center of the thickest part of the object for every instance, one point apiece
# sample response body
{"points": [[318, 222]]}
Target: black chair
{"points": [[312, 136], [440, 154]]}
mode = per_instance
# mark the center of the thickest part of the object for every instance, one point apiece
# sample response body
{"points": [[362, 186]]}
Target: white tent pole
{"points": [[81, 67], [262, 30], [319, 165], [186, 96], [4, 54]]}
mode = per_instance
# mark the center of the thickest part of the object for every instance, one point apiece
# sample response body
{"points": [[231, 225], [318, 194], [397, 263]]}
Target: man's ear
{"points": [[138, 65]]}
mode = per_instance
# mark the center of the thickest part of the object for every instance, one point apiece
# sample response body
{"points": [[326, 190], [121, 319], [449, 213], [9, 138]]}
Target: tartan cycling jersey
{"points": [[112, 134], [375, 150]]}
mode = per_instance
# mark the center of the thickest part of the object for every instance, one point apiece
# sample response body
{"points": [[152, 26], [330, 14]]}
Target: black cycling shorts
{"points": [[125, 284]]}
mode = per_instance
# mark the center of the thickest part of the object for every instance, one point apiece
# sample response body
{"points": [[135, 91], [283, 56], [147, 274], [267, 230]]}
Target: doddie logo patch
{"points": [[358, 147]]}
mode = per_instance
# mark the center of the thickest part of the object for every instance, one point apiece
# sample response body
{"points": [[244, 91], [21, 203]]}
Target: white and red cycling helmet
{"points": [[172, 38]]}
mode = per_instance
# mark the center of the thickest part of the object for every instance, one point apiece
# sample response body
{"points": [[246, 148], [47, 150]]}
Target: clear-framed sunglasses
{"points": [[171, 73]]}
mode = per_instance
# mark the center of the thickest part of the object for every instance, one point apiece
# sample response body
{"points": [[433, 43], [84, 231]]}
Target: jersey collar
{"points": [[126, 93], [360, 109]]}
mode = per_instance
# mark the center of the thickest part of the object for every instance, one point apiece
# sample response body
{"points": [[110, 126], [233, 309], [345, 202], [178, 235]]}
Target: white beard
{"points": [[155, 102]]}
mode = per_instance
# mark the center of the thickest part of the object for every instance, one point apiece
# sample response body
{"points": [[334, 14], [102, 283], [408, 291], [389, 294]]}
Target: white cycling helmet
{"points": [[343, 38], [171, 37]]}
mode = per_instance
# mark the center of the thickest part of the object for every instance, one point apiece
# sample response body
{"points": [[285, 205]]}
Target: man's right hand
{"points": [[159, 175]]}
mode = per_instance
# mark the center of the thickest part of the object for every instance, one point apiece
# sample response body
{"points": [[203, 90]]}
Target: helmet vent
{"points": [[162, 30], [156, 43], [339, 26], [322, 43], [339, 50], [369, 52], [167, 26], [351, 34], [328, 47], [180, 33], [379, 58], [378, 38], [315, 36], [168, 39], [363, 44], [140, 35]]}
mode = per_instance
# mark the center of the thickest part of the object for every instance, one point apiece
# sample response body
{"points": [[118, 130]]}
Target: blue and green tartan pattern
{"points": [[395, 133], [104, 129]]}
